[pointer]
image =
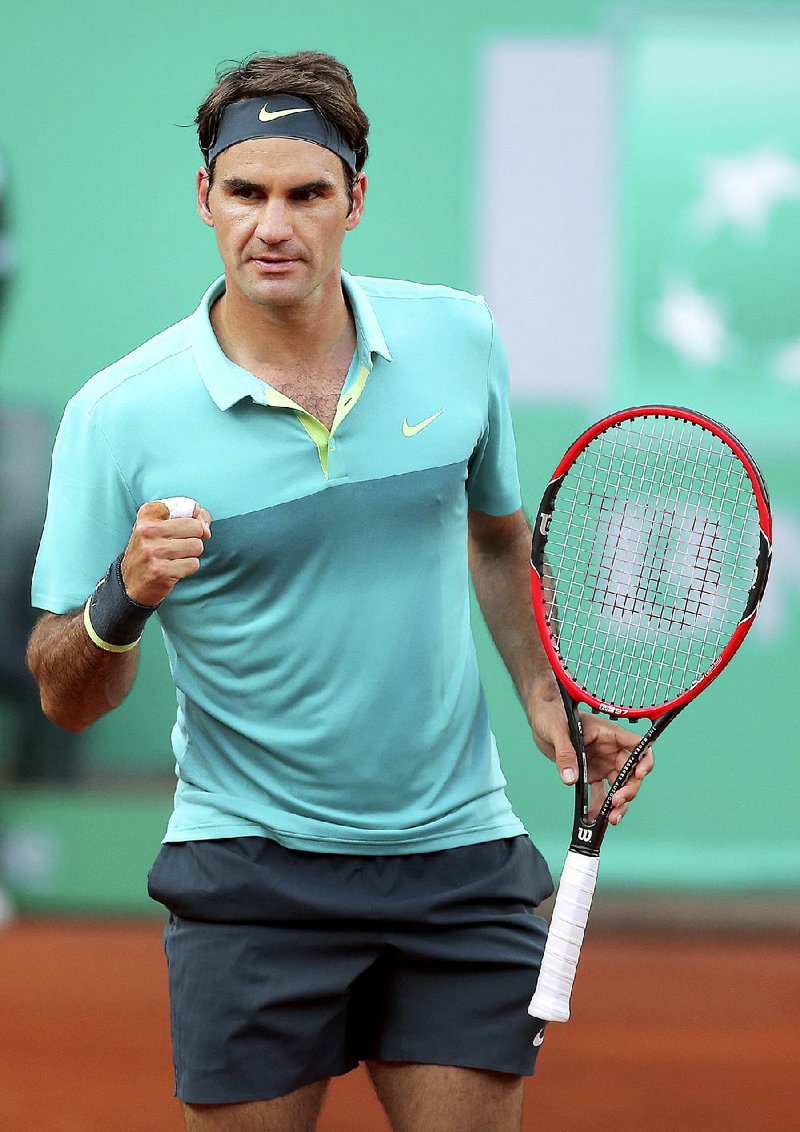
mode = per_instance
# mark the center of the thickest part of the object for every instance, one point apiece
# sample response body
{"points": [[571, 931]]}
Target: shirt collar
{"points": [[370, 336], [227, 383]]}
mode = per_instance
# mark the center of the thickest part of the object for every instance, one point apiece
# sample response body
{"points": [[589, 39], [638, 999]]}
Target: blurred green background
{"points": [[669, 248]]}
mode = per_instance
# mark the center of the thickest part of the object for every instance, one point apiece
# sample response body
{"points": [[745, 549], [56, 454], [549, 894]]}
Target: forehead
{"points": [[278, 160]]}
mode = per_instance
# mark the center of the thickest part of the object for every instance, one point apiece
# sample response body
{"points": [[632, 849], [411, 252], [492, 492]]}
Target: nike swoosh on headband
{"points": [[265, 115]]}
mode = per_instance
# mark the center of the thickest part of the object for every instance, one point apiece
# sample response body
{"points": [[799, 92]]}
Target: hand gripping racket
{"points": [[649, 559]]}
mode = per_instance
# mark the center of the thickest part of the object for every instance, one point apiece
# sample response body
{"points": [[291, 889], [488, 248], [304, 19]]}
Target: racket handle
{"points": [[563, 947]]}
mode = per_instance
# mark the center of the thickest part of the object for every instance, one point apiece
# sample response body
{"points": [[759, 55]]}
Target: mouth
{"points": [[274, 265]]}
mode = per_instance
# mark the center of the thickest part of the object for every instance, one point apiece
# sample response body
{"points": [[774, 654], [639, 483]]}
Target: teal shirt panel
{"points": [[328, 690]]}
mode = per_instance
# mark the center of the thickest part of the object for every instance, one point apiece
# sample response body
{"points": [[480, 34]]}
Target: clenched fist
{"points": [[162, 550]]}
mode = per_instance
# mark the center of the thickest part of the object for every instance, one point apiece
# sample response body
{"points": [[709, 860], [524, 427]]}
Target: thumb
{"points": [[566, 760], [181, 507], [158, 509]]}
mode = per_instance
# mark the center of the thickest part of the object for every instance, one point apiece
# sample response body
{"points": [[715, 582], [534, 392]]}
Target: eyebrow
{"points": [[321, 184]]}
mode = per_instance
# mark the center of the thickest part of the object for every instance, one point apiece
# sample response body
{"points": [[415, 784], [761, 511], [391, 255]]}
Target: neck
{"points": [[268, 339]]}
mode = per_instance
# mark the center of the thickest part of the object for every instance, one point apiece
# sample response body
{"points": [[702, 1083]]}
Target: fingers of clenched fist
{"points": [[163, 550]]}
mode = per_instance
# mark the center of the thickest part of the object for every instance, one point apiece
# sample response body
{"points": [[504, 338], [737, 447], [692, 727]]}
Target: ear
{"points": [[203, 189], [357, 211]]}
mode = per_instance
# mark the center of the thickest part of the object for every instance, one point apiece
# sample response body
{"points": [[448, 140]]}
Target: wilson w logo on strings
{"points": [[658, 561]]}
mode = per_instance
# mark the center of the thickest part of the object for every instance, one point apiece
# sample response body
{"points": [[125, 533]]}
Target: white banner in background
{"points": [[546, 227]]}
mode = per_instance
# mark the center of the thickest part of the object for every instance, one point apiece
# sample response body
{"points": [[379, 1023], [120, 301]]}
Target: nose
{"points": [[274, 222]]}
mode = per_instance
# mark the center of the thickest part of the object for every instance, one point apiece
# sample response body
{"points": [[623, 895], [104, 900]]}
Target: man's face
{"points": [[280, 209]]}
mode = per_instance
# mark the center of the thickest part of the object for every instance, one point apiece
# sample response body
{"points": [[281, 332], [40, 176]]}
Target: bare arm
{"points": [[78, 682], [499, 559]]}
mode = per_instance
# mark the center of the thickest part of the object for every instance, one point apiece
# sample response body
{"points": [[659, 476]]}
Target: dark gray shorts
{"points": [[286, 967]]}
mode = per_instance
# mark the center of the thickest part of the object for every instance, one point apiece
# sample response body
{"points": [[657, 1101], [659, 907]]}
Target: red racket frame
{"points": [[580, 694]]}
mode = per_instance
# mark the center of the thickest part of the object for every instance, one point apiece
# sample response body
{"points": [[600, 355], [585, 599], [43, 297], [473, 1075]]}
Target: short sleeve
{"points": [[90, 514], [493, 478]]}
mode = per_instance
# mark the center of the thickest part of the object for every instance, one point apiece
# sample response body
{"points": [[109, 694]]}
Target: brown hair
{"points": [[312, 75]]}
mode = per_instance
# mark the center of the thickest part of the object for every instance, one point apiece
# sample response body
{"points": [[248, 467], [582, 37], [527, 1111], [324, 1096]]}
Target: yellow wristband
{"points": [[101, 644]]}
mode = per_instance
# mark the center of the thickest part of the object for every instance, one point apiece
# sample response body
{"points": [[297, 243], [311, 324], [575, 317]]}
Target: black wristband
{"points": [[114, 621]]}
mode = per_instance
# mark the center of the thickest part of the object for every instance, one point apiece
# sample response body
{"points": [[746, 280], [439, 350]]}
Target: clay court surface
{"points": [[703, 1035]]}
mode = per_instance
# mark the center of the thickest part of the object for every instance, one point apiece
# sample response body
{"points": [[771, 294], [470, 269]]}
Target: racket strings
{"points": [[651, 549]]}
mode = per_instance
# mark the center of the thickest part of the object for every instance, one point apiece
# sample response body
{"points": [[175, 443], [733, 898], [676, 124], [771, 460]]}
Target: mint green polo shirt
{"points": [[327, 684]]}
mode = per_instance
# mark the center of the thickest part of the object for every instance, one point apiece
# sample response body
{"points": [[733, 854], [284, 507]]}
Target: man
{"points": [[345, 876]]}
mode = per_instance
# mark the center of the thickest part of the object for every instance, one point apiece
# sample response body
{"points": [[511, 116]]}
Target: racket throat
{"points": [[587, 835], [587, 838]]}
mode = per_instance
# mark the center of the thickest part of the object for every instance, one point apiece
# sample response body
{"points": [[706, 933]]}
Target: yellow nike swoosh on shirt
{"points": [[412, 430], [265, 115]]}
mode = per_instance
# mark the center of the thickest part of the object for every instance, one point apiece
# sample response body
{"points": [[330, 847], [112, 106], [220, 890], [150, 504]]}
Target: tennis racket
{"points": [[650, 556]]}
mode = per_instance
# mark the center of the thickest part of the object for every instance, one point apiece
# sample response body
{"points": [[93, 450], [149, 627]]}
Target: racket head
{"points": [[649, 558]]}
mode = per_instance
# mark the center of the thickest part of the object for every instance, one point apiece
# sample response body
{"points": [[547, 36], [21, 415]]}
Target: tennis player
{"points": [[345, 877]]}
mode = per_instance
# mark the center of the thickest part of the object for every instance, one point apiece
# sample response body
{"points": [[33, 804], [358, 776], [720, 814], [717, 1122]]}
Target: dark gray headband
{"points": [[279, 116]]}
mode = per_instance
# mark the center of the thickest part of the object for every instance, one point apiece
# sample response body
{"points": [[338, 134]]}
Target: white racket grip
{"points": [[180, 506], [563, 947]]}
